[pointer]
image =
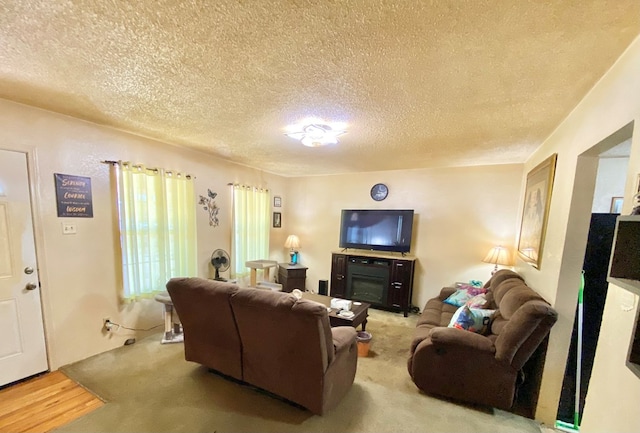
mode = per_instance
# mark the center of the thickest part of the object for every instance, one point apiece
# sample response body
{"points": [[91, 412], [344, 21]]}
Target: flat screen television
{"points": [[377, 229]]}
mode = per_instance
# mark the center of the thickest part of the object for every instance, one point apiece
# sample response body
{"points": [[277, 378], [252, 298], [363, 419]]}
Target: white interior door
{"points": [[22, 349]]}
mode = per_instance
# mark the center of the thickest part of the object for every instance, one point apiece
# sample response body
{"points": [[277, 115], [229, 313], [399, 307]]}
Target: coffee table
{"points": [[360, 312]]}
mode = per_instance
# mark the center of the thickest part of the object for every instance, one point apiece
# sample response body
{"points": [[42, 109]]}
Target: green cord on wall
{"points": [[580, 292], [576, 412], [575, 427]]}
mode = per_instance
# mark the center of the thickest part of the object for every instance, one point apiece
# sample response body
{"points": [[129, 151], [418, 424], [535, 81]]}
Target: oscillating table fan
{"points": [[220, 261]]}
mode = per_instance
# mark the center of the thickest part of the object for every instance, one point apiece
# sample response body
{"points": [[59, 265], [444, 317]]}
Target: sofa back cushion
{"points": [[500, 276], [496, 280], [522, 321], [286, 343], [210, 334], [511, 295]]}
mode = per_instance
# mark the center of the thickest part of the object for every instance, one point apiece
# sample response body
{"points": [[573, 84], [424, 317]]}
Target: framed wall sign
{"points": [[277, 219], [73, 196], [535, 212], [277, 201]]}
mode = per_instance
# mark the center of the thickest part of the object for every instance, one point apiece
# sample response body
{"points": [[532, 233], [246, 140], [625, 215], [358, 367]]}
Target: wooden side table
{"points": [[292, 276]]}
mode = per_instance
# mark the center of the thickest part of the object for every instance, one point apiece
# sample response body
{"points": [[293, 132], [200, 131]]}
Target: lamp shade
{"points": [[292, 242], [498, 256]]}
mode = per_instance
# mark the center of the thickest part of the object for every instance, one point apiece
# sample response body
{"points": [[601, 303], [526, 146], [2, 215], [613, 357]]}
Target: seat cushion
{"points": [[436, 313]]}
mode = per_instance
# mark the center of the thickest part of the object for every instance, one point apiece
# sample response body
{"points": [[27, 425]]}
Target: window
{"points": [[251, 224], [156, 213]]}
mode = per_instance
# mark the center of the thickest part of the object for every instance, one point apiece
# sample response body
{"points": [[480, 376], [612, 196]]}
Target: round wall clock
{"points": [[379, 191]]}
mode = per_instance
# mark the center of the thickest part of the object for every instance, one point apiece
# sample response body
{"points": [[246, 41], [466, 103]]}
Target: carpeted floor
{"points": [[149, 387]]}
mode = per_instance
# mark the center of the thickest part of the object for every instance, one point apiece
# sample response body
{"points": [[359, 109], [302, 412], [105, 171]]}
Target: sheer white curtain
{"points": [[156, 212], [251, 219]]}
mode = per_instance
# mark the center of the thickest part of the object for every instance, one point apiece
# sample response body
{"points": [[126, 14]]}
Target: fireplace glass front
{"points": [[367, 283]]}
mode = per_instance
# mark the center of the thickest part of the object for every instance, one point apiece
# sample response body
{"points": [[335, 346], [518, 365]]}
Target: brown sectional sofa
{"points": [[268, 339], [476, 368]]}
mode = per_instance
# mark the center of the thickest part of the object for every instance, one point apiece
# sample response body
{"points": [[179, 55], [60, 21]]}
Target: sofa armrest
{"points": [[343, 337], [445, 292], [458, 337], [460, 364]]}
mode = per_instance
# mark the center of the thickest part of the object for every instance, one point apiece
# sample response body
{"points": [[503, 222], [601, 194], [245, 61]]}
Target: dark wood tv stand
{"points": [[382, 279]]}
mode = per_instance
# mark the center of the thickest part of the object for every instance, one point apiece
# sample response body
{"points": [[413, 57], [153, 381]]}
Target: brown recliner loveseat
{"points": [[473, 367], [268, 339]]}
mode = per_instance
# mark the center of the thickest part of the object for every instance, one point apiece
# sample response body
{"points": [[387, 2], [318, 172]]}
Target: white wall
{"points": [[460, 213], [78, 272], [614, 391], [609, 183]]}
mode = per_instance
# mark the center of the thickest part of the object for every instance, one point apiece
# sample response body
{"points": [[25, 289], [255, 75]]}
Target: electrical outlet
{"points": [[107, 324]]}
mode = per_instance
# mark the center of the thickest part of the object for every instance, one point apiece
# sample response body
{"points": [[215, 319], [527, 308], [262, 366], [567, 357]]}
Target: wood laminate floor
{"points": [[43, 403]]}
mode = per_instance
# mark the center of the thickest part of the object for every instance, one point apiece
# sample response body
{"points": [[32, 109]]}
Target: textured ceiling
{"points": [[420, 83]]}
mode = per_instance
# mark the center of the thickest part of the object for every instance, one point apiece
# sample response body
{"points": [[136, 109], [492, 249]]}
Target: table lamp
{"points": [[293, 243], [498, 256]]}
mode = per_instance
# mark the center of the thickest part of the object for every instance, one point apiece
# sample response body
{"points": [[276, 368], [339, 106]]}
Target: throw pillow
{"points": [[463, 294], [477, 301], [471, 319]]}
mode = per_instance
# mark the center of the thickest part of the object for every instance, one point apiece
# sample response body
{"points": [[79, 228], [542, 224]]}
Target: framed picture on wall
{"points": [[616, 204], [277, 219], [535, 211], [277, 201]]}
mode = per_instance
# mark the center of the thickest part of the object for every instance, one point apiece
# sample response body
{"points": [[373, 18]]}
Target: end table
{"points": [[292, 276]]}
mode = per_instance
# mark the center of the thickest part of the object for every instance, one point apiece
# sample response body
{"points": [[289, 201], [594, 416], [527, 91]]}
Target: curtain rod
{"points": [[188, 176], [246, 186]]}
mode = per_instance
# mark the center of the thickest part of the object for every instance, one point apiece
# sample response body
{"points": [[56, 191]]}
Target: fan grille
{"points": [[220, 261]]}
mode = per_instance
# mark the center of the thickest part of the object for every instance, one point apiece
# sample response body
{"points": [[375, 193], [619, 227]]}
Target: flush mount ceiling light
{"points": [[316, 132]]}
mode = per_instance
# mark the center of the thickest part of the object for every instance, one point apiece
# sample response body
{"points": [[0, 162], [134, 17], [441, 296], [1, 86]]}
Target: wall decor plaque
{"points": [[73, 196]]}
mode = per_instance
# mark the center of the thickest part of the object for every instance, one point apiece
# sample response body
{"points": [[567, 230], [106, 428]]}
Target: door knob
{"points": [[31, 286]]}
